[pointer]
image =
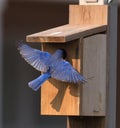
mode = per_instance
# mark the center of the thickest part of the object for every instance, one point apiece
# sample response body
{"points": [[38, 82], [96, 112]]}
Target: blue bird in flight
{"points": [[52, 66]]}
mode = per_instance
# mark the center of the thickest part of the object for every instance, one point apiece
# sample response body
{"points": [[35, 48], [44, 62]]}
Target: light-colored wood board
{"points": [[95, 68], [65, 33], [88, 14], [59, 98]]}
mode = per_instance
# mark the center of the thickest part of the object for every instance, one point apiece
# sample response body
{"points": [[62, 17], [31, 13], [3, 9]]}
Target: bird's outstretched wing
{"points": [[34, 57], [65, 72]]}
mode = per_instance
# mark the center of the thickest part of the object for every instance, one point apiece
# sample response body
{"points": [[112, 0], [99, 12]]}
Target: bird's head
{"points": [[60, 53]]}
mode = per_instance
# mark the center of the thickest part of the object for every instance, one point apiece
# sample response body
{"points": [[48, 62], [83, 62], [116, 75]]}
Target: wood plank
{"points": [[65, 33], [59, 98], [95, 66], [88, 14]]}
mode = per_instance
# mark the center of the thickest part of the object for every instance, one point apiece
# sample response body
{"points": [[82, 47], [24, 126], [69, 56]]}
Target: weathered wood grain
{"points": [[88, 14]]}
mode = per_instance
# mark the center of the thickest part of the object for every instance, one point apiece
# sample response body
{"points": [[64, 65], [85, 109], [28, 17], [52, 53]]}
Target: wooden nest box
{"points": [[85, 40]]}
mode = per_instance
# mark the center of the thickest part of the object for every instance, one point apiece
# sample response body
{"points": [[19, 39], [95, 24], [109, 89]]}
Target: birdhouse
{"points": [[85, 39]]}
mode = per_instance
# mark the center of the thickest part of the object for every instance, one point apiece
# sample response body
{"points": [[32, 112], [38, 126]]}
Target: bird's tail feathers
{"points": [[36, 84]]}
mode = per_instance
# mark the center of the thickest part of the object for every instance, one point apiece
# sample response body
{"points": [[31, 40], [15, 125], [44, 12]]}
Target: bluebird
{"points": [[51, 66]]}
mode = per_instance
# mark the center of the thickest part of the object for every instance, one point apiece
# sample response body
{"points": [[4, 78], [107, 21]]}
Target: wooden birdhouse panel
{"points": [[95, 70], [60, 98], [88, 15]]}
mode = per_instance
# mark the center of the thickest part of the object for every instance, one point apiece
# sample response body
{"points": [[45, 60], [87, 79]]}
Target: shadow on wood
{"points": [[56, 102]]}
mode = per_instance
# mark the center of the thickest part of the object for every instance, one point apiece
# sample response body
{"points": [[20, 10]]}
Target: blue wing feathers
{"points": [[34, 57], [65, 72]]}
